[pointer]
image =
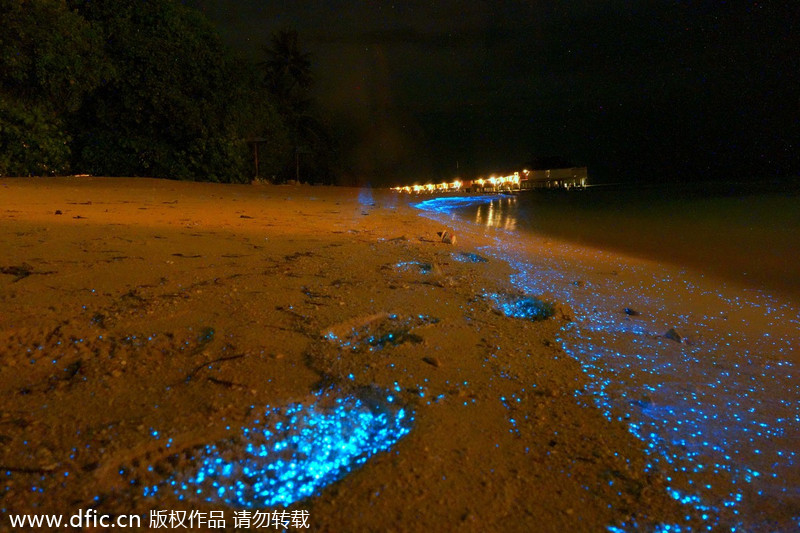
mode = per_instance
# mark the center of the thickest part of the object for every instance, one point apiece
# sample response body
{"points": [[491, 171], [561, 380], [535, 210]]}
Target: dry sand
{"points": [[134, 305]]}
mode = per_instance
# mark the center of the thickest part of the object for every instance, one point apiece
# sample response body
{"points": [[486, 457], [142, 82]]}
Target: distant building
{"points": [[555, 178]]}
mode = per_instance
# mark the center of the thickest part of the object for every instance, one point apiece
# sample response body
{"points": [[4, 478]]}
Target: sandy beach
{"points": [[700, 367], [143, 321]]}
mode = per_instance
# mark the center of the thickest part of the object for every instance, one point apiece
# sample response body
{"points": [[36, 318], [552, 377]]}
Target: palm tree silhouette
{"points": [[287, 77], [287, 71]]}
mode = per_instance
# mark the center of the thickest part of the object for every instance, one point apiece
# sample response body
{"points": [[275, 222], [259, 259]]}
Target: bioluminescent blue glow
{"points": [[374, 336], [292, 452], [415, 266], [448, 204], [365, 197], [527, 307], [469, 257], [718, 413]]}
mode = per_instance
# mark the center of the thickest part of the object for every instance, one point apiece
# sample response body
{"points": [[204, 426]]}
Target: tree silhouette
{"points": [[287, 71], [168, 109], [288, 79], [132, 88], [50, 59]]}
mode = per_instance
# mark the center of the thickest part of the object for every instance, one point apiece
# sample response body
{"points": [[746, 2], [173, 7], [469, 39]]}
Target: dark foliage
{"points": [[166, 112], [287, 71], [49, 61], [146, 88], [287, 78]]}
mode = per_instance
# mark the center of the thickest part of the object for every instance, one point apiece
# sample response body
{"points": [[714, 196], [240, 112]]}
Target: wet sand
{"points": [[743, 236], [701, 369], [142, 321]]}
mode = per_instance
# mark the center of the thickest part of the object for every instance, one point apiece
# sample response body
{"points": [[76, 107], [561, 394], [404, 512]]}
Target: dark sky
{"points": [[635, 89]]}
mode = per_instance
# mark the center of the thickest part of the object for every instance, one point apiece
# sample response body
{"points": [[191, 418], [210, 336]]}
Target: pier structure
{"points": [[557, 178]]}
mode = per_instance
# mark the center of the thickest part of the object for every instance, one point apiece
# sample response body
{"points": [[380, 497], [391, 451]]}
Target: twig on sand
{"points": [[22, 271], [28, 470], [225, 383], [197, 369]]}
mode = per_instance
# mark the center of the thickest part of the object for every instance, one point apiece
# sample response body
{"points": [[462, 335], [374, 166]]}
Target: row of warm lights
{"points": [[511, 179], [495, 181], [430, 187]]}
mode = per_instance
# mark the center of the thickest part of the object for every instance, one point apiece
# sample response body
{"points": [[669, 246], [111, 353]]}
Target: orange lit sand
{"points": [[270, 268]]}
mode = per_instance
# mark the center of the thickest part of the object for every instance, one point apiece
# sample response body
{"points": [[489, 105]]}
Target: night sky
{"points": [[635, 90]]}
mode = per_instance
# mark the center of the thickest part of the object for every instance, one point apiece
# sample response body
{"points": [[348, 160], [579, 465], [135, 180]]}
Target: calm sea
{"points": [[745, 233], [717, 408]]}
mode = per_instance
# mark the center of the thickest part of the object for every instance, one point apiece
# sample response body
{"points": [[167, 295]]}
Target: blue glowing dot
{"points": [[297, 450]]}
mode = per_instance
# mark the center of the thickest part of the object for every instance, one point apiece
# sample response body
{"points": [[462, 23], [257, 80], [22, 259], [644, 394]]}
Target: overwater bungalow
{"points": [[557, 178]]}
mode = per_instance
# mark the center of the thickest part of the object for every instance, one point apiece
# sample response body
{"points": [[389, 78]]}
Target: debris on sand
{"points": [[432, 361], [672, 335], [374, 332], [20, 271], [447, 237]]}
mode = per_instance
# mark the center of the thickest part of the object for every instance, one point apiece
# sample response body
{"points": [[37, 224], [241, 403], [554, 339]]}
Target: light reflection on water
{"points": [[493, 211], [706, 232], [500, 212], [719, 412]]}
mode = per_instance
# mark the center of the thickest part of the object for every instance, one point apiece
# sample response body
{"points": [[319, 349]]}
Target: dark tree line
{"points": [[287, 77], [146, 88]]}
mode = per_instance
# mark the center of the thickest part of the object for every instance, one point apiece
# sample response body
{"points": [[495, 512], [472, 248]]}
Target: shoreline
{"points": [[712, 239], [700, 370], [173, 307]]}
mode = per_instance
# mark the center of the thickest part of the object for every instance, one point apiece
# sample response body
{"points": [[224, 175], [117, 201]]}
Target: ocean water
{"points": [[686, 324], [748, 234]]}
